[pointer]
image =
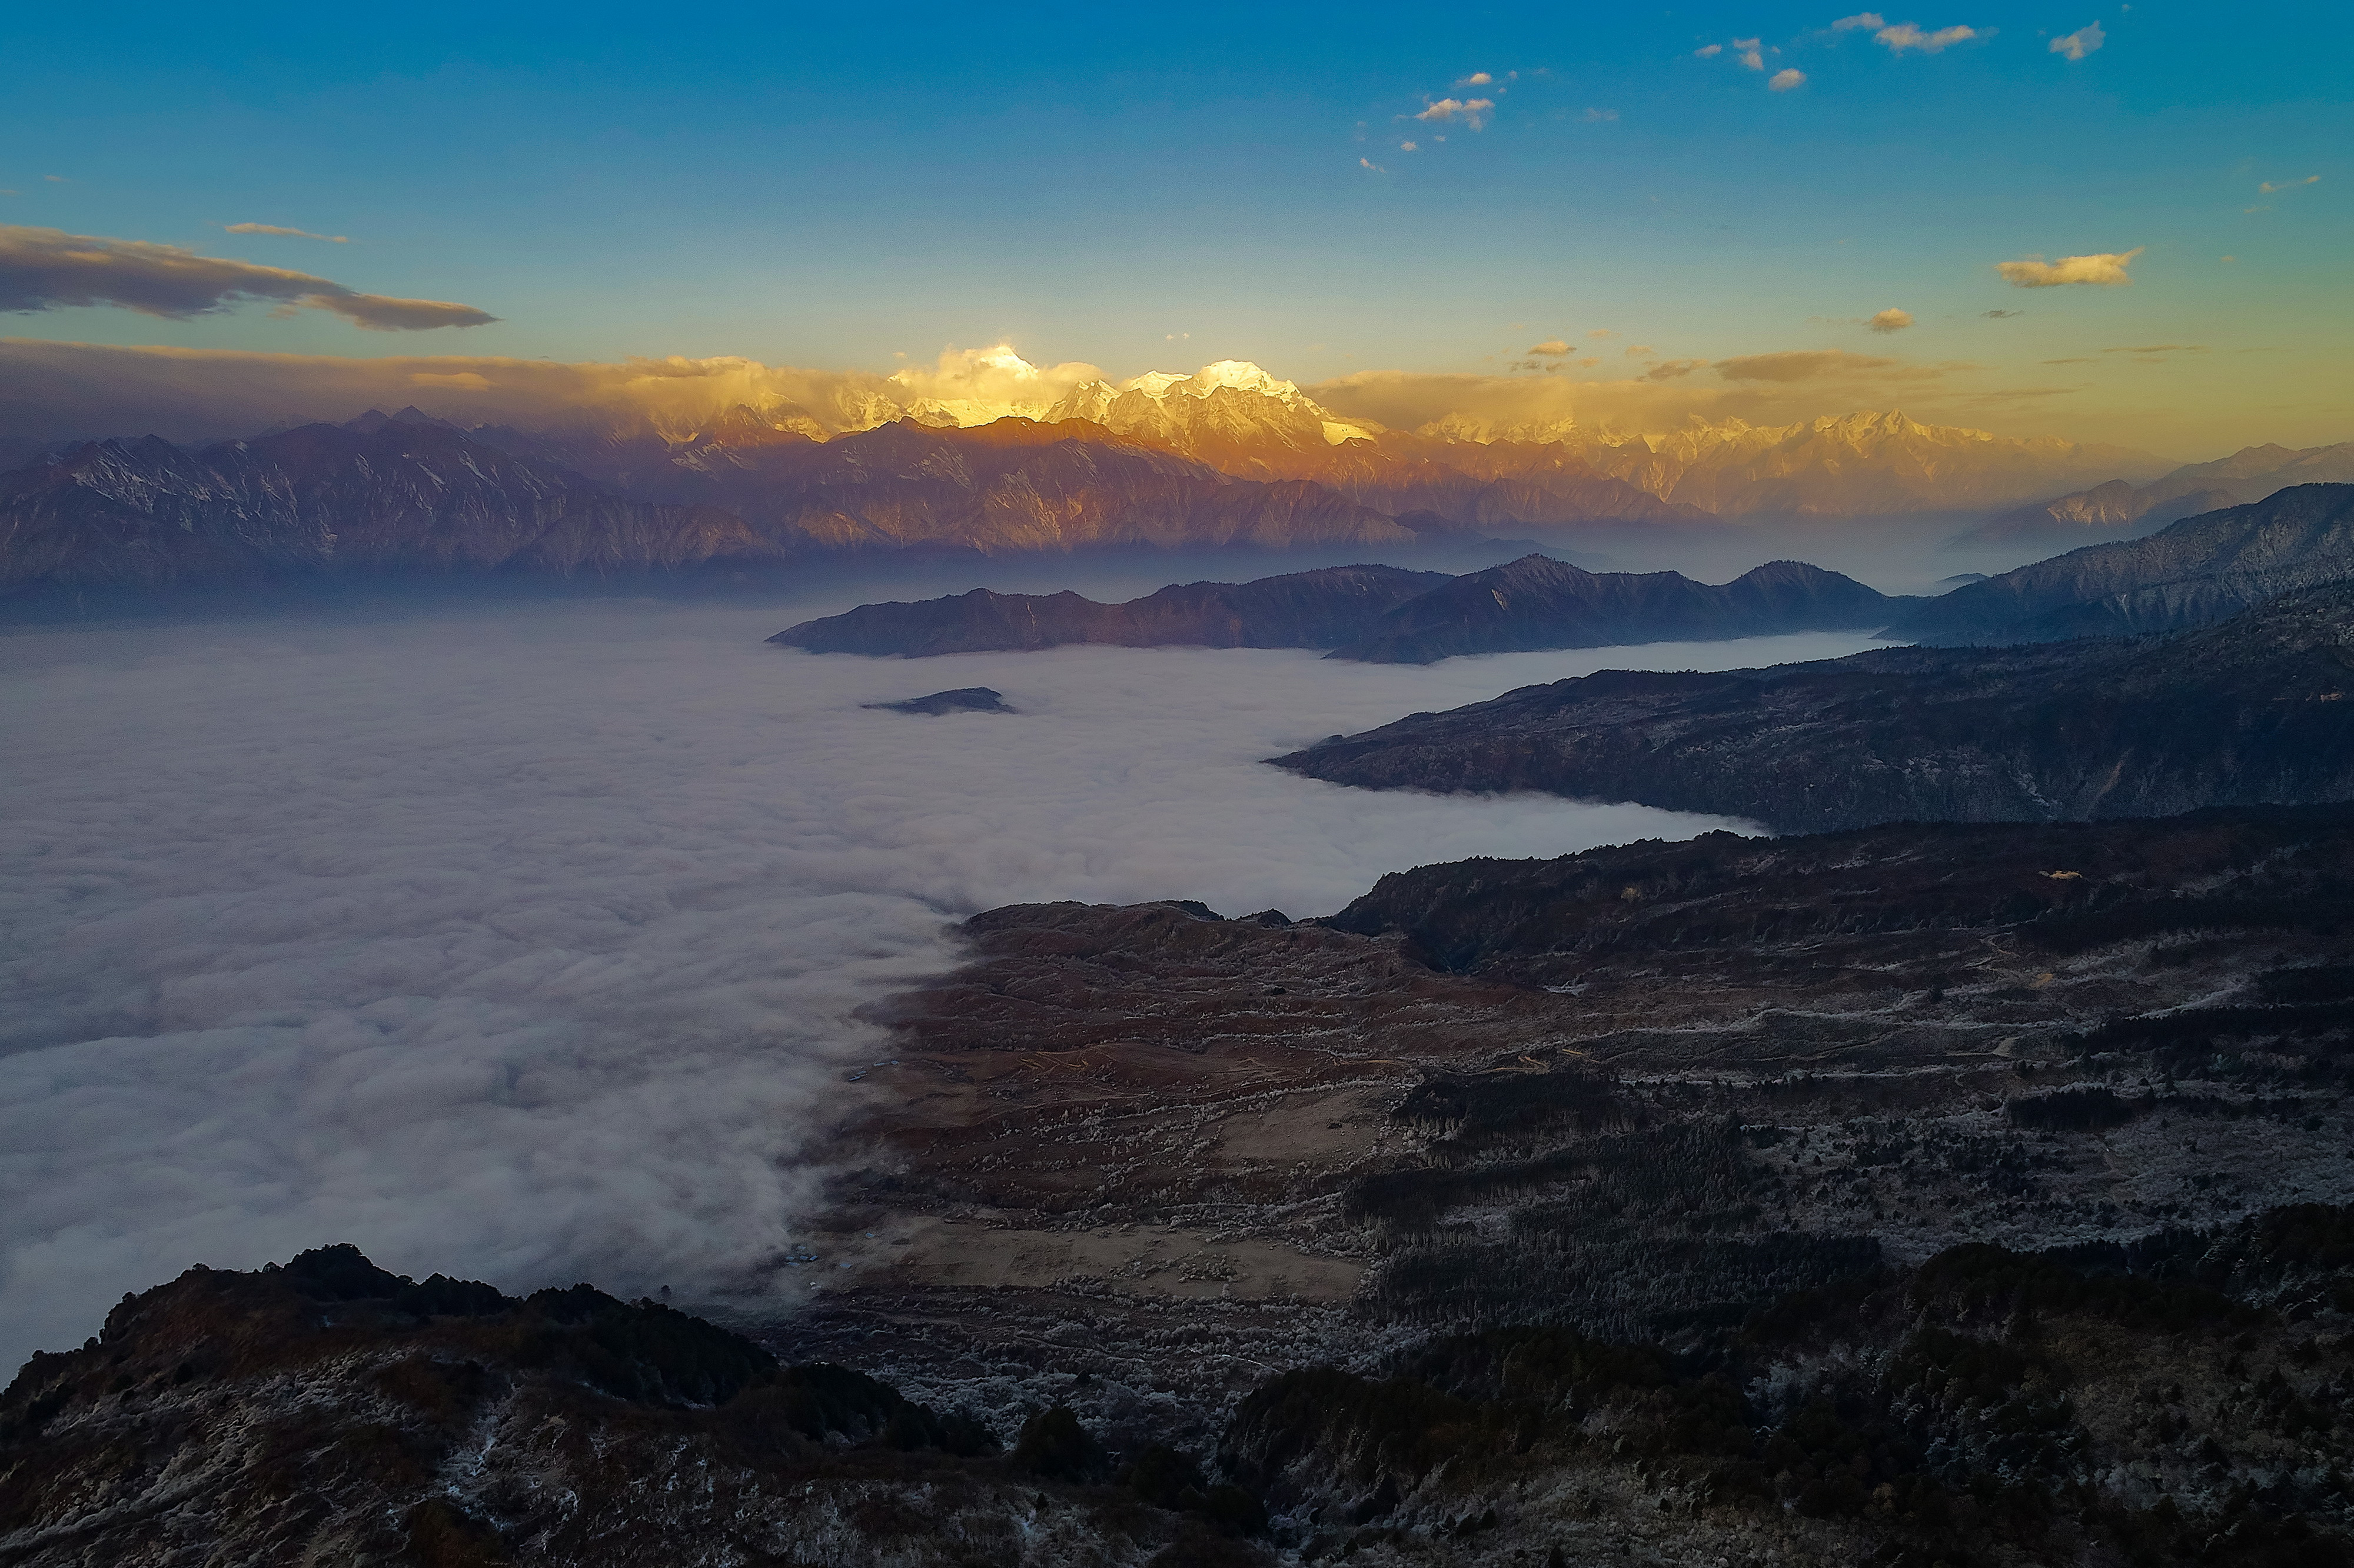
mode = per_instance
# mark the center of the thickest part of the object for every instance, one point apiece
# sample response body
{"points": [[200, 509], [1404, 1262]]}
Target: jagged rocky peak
{"points": [[375, 420], [1231, 399]]}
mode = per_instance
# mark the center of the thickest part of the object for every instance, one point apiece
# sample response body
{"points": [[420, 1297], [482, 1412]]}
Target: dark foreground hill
{"points": [[2256, 709], [331, 1411], [1375, 614], [2195, 572]]}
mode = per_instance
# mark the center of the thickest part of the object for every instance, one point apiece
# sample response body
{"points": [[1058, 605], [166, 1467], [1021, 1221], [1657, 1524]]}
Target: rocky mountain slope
{"points": [[1457, 1211], [1298, 609], [2255, 709], [2196, 571], [1537, 602], [323, 499], [2117, 509]]}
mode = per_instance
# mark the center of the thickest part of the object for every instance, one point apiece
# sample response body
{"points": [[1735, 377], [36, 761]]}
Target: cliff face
{"points": [[2255, 709], [1536, 602], [1299, 610], [2198, 570]]}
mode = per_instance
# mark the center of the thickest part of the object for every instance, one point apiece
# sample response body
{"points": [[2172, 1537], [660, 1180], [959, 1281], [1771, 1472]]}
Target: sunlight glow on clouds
{"points": [[1906, 35], [2108, 267], [2076, 46], [1891, 320], [1473, 112]]}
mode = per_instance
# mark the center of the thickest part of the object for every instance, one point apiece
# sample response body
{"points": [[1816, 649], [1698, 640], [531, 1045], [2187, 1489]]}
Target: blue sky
{"points": [[1159, 186]]}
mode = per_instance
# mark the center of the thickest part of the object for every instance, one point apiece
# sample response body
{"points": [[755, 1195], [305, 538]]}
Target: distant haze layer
{"points": [[523, 943]]}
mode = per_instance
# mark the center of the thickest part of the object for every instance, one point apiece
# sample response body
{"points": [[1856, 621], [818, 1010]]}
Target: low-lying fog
{"points": [[520, 941]]}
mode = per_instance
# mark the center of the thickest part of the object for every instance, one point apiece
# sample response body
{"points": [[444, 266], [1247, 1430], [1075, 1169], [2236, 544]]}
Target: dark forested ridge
{"points": [[2251, 710], [1537, 603], [1374, 614], [1298, 609]]}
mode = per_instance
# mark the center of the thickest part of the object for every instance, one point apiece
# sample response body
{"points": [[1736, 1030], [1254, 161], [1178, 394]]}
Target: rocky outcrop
{"points": [[2197, 571], [1537, 602], [328, 1411], [1298, 609], [962, 700], [2259, 708]]}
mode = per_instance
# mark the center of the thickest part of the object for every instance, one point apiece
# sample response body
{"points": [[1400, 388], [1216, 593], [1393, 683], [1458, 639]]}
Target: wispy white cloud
{"points": [[289, 233], [1472, 111], [2105, 268], [1747, 51], [1784, 80], [1477, 79], [2273, 187], [1369, 163], [1709, 51], [1409, 146], [1906, 35], [1550, 349], [1872, 20], [1891, 320], [2076, 46], [1599, 116]]}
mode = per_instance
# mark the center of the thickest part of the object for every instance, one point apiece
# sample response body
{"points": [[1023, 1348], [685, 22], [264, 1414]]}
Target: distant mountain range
{"points": [[1372, 614], [326, 499], [2117, 509], [2257, 710], [2193, 572], [1227, 456]]}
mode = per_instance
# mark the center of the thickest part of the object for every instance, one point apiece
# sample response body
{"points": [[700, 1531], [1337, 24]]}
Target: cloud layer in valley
{"points": [[524, 944], [47, 270]]}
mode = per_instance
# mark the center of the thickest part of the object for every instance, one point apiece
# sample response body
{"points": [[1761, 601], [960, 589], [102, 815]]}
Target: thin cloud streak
{"points": [[287, 233], [48, 269]]}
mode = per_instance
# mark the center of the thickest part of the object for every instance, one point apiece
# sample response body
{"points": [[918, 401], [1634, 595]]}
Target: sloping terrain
{"points": [[2255, 709], [2197, 571], [1581, 1126]]}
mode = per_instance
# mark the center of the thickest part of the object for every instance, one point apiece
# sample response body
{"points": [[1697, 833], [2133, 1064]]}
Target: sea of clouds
{"points": [[522, 942]]}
